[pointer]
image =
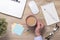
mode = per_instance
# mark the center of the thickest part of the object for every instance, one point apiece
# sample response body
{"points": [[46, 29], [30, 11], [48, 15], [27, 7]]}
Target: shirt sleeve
{"points": [[38, 38]]}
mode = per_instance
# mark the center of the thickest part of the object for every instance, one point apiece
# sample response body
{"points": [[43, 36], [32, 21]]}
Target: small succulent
{"points": [[3, 26]]}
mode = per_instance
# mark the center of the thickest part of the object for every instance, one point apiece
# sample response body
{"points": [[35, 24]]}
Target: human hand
{"points": [[39, 28]]}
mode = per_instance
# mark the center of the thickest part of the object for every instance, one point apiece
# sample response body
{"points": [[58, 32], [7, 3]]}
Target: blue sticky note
{"points": [[18, 29]]}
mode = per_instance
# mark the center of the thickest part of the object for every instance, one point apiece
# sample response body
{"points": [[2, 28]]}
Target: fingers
{"points": [[40, 24]]}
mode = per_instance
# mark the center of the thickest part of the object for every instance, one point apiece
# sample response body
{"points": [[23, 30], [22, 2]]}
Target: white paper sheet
{"points": [[50, 13], [12, 8]]}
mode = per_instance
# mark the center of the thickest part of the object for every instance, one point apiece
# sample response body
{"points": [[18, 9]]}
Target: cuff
{"points": [[38, 38]]}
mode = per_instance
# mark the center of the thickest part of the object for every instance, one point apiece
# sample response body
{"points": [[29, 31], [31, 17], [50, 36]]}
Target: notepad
{"points": [[17, 29], [50, 13], [12, 8]]}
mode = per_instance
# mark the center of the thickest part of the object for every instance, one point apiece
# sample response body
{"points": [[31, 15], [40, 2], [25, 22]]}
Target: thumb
{"points": [[38, 24]]}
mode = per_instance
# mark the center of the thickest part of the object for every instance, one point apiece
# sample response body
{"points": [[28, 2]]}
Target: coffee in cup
{"points": [[31, 21]]}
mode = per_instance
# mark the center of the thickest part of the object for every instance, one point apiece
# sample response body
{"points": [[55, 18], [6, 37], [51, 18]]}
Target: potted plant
{"points": [[3, 27]]}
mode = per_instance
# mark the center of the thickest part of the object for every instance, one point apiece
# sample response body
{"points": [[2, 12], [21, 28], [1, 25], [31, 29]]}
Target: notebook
{"points": [[17, 29], [12, 8], [50, 13]]}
